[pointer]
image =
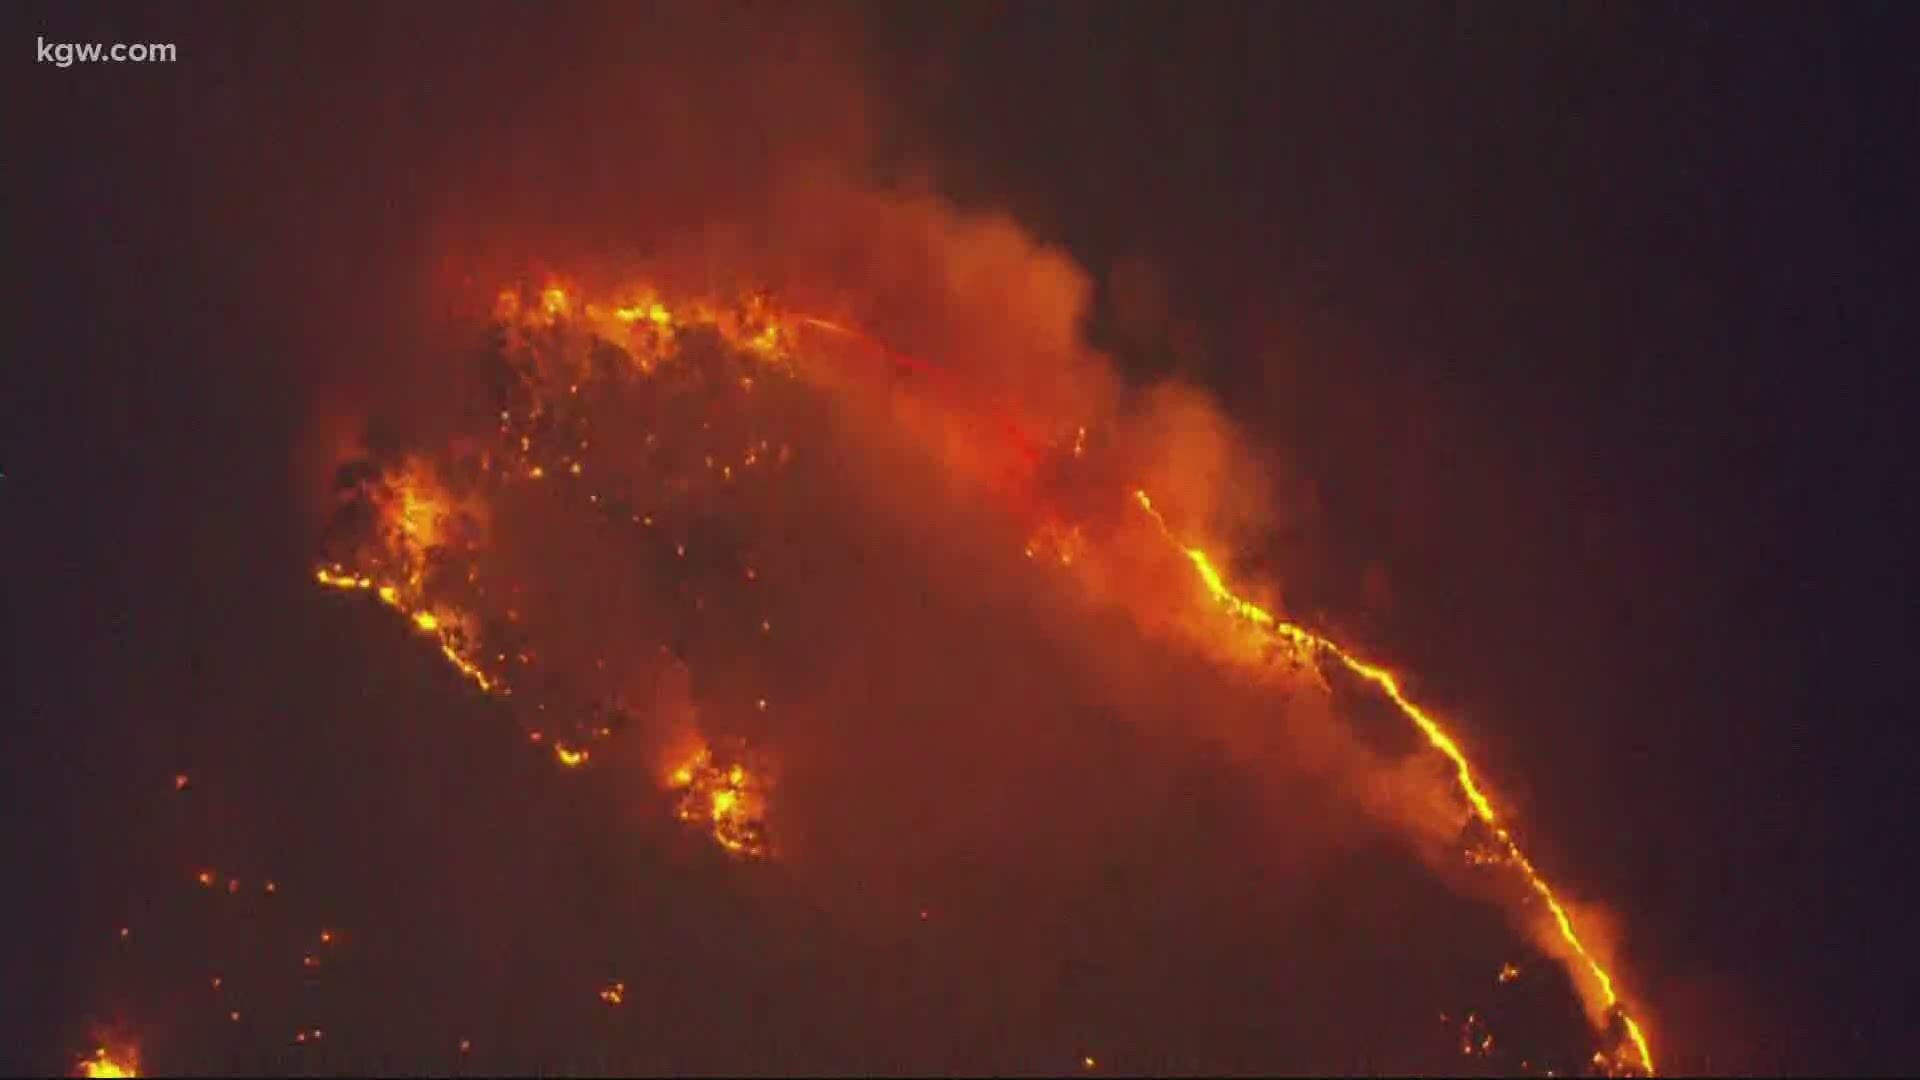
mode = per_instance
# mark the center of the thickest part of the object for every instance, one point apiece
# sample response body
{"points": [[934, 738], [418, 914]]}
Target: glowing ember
{"points": [[1057, 543]]}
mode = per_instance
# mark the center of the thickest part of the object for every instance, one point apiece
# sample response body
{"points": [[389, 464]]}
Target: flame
{"points": [[446, 633], [1440, 740], [109, 1063], [418, 517], [650, 323], [729, 802], [653, 312]]}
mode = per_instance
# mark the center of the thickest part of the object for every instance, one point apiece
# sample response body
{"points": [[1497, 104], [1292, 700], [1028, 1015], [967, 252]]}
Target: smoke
{"points": [[947, 722]]}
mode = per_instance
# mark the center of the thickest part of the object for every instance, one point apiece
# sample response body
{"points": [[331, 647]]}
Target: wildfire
{"points": [[424, 536], [106, 1063], [651, 324], [1436, 736]]}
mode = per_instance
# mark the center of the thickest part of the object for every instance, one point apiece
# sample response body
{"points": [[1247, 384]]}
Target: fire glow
{"points": [[103, 1063], [408, 568], [727, 800], [1436, 736]]}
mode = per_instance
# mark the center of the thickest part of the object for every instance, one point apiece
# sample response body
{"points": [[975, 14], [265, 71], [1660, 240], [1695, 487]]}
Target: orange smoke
{"points": [[561, 335]]}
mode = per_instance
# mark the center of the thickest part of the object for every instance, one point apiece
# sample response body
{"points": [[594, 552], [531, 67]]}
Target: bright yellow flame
{"points": [[655, 313], [568, 756], [340, 579], [1437, 737]]}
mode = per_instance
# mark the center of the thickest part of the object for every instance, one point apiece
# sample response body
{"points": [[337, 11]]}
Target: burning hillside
{"points": [[671, 425], [893, 539]]}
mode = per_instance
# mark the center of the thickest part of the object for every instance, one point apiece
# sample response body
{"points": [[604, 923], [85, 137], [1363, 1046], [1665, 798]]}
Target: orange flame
{"points": [[1438, 738], [729, 801], [426, 622]]}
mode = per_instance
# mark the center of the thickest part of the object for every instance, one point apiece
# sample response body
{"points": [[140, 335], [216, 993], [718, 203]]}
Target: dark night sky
{"points": [[1578, 324]]}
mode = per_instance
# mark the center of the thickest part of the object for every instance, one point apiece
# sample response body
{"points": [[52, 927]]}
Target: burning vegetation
{"points": [[665, 425], [412, 531], [109, 1063], [727, 799], [692, 372]]}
